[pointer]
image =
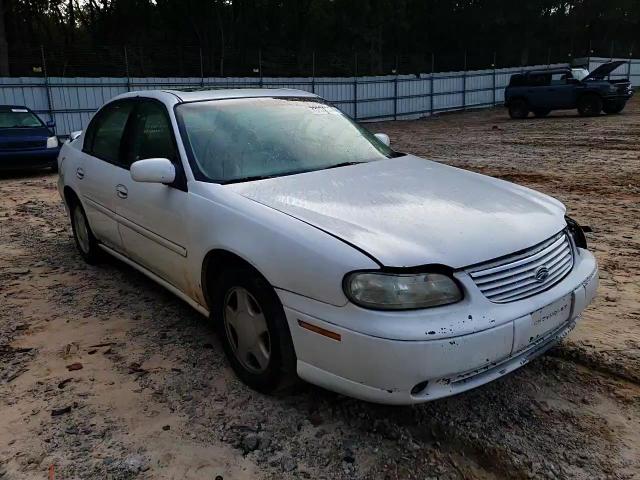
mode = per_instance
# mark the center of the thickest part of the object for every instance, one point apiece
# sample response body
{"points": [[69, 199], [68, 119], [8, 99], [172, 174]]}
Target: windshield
{"points": [[251, 138], [18, 118]]}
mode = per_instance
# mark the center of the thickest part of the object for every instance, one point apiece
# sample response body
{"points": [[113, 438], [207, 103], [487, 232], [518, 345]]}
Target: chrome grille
{"points": [[523, 274]]}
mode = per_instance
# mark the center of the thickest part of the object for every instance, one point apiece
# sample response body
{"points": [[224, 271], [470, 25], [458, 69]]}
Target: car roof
{"points": [[550, 71], [197, 95], [173, 97]]}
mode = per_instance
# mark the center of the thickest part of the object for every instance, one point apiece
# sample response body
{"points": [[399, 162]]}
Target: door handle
{"points": [[80, 173], [122, 191]]}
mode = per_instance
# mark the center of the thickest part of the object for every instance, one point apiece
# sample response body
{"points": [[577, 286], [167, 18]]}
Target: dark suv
{"points": [[540, 91]]}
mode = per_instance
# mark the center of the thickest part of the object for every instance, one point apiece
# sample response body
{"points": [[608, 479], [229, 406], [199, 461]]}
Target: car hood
{"points": [[11, 135], [408, 211], [604, 70]]}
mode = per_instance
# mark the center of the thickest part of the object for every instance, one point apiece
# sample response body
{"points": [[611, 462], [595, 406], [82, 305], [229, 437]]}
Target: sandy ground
{"points": [[105, 375]]}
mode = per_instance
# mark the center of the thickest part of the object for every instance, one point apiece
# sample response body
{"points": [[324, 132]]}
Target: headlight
{"points": [[576, 232], [388, 291], [52, 142]]}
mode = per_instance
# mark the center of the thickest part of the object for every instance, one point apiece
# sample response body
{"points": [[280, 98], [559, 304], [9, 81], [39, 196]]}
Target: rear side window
{"points": [[150, 134], [105, 133], [539, 80], [517, 80]]}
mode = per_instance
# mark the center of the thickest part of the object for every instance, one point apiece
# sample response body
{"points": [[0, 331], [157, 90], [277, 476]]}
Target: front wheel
{"points": [[85, 241], [518, 109], [590, 105], [253, 328]]}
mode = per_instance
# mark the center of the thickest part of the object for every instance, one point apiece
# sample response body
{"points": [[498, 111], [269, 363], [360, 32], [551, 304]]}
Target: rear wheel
{"points": [[85, 241], [541, 113], [253, 328], [590, 105], [518, 109]]}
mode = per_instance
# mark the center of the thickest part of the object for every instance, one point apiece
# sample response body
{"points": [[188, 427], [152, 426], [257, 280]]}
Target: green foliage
{"points": [[385, 33]]}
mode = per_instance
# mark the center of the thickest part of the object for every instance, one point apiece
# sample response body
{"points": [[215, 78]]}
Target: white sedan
{"points": [[318, 251]]}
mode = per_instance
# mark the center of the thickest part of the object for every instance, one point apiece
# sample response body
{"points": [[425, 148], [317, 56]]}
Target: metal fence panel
{"points": [[72, 101]]}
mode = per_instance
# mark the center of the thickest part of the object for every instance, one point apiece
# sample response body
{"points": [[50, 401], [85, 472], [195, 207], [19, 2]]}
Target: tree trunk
{"points": [[4, 46]]}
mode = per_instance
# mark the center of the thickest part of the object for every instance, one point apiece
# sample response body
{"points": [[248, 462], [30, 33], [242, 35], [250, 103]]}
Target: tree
{"points": [[4, 45]]}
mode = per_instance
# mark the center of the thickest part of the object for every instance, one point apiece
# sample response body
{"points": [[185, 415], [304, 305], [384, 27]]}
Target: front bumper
{"points": [[26, 159], [619, 97], [383, 370]]}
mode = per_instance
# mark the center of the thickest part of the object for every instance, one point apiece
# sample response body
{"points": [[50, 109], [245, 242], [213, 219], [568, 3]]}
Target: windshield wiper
{"points": [[343, 164]]}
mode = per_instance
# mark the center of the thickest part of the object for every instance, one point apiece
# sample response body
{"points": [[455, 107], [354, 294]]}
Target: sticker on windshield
{"points": [[19, 110], [324, 110]]}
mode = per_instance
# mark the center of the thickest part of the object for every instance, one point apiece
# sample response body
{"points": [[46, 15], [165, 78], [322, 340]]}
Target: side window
{"points": [[105, 134], [539, 80], [559, 78], [151, 135]]}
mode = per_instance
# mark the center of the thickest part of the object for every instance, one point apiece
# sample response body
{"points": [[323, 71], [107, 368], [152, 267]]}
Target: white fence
{"points": [[72, 101]]}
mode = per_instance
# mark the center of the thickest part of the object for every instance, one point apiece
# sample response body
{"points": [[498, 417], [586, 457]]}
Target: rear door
{"points": [[95, 169], [152, 218], [539, 90]]}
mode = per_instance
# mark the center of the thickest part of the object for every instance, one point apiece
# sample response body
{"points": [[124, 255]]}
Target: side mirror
{"points": [[153, 170], [74, 135], [384, 138], [51, 124]]}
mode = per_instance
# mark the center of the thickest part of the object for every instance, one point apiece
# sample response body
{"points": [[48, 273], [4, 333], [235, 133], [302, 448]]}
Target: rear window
{"points": [[18, 118]]}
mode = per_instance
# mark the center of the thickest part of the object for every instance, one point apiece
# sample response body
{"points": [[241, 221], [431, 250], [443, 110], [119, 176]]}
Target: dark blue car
{"points": [[25, 141]]}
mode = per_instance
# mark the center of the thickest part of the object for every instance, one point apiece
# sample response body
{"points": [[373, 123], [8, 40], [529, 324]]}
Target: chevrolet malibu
{"points": [[318, 251]]}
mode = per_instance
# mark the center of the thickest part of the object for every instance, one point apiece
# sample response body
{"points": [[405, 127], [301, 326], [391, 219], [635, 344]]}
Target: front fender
{"points": [[290, 254]]}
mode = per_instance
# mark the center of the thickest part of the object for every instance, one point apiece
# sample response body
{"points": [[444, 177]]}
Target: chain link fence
{"points": [[193, 61]]}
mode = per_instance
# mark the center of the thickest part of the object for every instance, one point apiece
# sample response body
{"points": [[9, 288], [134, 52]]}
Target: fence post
{"points": [[201, 70], [313, 72], [46, 85], [433, 63], [355, 87], [260, 67], [395, 92], [464, 83], [494, 78], [126, 66]]}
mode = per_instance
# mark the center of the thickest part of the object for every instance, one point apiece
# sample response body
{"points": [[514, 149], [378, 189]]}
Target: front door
{"points": [[562, 91], [152, 217]]}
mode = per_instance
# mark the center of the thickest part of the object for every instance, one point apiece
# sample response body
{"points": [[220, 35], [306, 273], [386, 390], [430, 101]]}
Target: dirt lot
{"points": [[154, 397]]}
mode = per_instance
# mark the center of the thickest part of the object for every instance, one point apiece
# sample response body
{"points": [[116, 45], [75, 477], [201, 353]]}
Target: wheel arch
{"points": [[215, 262], [589, 93], [517, 97], [70, 196]]}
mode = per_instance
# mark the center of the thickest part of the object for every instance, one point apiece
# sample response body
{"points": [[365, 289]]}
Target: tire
{"points": [[54, 167], [518, 109], [541, 113], [86, 243], [246, 307], [590, 105], [613, 109]]}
